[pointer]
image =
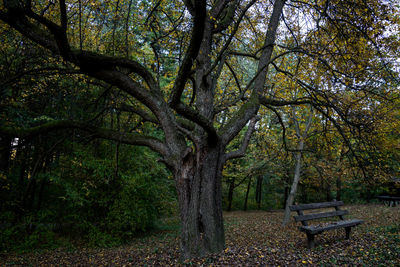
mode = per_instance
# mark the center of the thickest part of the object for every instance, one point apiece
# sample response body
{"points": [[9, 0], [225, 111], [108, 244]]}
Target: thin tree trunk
{"points": [[297, 172], [286, 195], [230, 194], [247, 195], [43, 182], [5, 152], [338, 188], [296, 180], [259, 191], [328, 191]]}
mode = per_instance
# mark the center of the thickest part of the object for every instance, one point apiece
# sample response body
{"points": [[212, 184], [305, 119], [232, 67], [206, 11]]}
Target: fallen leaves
{"points": [[252, 239]]}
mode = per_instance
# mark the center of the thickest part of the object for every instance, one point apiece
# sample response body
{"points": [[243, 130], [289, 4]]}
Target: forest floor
{"points": [[254, 238]]}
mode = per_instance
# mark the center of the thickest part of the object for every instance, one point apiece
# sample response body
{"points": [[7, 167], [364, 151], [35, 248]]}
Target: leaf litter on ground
{"points": [[253, 238]]}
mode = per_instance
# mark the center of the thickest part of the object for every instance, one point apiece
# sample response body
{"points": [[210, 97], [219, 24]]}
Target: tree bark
{"points": [[286, 191], [5, 152], [230, 194], [296, 180], [259, 191], [297, 171], [200, 202], [247, 195], [338, 188]]}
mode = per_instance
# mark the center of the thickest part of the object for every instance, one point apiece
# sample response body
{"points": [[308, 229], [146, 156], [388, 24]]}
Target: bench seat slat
{"points": [[316, 229], [308, 217], [316, 205], [388, 198]]}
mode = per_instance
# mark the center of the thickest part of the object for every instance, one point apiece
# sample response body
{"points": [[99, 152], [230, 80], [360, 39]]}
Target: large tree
{"points": [[214, 94]]}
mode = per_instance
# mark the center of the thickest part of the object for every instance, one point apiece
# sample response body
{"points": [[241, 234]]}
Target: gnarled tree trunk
{"points": [[199, 192]]}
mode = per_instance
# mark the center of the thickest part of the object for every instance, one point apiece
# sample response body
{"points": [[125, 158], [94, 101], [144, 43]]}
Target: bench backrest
{"points": [[303, 218]]}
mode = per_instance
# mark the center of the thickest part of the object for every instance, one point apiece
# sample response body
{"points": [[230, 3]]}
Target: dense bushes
{"points": [[85, 196]]}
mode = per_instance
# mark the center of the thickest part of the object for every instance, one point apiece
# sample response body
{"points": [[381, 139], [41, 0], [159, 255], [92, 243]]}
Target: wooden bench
{"points": [[390, 201], [315, 229]]}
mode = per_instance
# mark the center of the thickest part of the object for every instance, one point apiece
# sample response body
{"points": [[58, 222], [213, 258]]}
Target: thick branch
{"points": [[143, 114], [279, 103], [227, 17], [249, 109], [228, 42], [91, 60], [183, 123], [22, 25], [56, 42], [197, 118], [268, 46], [246, 140], [191, 53]]}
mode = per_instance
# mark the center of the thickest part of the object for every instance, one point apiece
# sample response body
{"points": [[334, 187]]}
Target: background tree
{"points": [[302, 136]]}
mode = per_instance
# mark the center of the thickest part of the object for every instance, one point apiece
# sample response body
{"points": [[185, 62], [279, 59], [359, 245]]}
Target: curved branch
{"points": [[226, 17], [192, 51], [90, 60], [249, 109], [56, 42], [197, 118], [246, 140], [282, 124], [143, 114]]}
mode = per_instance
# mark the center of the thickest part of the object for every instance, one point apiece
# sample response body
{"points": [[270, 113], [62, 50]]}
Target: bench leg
{"points": [[348, 230], [310, 241]]}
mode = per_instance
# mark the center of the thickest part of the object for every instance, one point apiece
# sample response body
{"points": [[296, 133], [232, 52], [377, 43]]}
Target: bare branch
{"points": [[282, 124]]}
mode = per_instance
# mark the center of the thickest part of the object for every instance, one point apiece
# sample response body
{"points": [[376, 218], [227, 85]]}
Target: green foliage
{"points": [[32, 233], [87, 199], [136, 208]]}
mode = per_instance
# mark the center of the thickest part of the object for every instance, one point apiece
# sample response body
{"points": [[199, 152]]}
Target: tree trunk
{"points": [[247, 195], [230, 194], [296, 180], [5, 152], [200, 202], [259, 191], [297, 171], [328, 192], [286, 192], [338, 188], [43, 181]]}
